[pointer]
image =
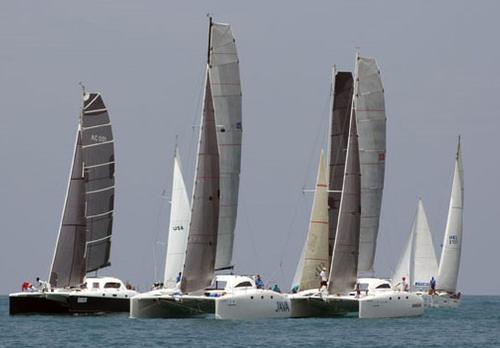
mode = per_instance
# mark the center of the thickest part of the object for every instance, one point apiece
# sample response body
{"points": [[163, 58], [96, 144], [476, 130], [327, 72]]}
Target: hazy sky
{"points": [[440, 68]]}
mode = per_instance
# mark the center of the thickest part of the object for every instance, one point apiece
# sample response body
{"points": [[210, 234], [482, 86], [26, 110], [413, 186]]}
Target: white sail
{"points": [[315, 254], [418, 263], [371, 123], [452, 243], [180, 212], [425, 262], [223, 67]]}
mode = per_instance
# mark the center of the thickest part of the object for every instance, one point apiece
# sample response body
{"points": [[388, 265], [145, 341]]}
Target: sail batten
{"points": [[371, 124], [223, 68]]}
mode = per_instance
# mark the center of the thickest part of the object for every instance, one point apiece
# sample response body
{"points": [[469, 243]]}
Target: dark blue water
{"points": [[475, 323]]}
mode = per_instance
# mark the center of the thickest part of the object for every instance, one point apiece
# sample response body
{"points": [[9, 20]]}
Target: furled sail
{"points": [[180, 212], [84, 240], [340, 111], [418, 263], [344, 266], [199, 263], [224, 72], [371, 124], [452, 243], [68, 266], [99, 172], [315, 252]]}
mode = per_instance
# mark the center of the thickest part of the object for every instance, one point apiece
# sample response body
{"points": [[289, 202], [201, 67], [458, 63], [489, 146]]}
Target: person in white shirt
{"points": [[323, 278]]}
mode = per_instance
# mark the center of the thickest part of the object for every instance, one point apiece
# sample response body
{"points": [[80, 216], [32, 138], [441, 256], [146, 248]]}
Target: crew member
{"points": [[259, 283], [323, 279]]}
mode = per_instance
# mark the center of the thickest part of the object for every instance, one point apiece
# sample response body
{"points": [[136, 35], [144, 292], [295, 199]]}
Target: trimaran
{"points": [[84, 239]]}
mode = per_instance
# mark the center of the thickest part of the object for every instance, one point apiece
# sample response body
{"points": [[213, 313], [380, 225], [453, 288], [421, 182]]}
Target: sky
{"points": [[439, 65]]}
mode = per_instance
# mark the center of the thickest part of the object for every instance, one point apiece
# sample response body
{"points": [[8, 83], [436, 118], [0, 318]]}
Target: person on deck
{"points": [[433, 286], [404, 284], [259, 283], [323, 278], [178, 278]]}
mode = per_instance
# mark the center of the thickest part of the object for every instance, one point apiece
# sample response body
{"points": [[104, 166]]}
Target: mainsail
{"points": [[344, 266], [371, 124], [340, 111], [418, 263], [452, 243], [224, 73], [84, 240], [199, 263], [178, 227], [315, 252]]}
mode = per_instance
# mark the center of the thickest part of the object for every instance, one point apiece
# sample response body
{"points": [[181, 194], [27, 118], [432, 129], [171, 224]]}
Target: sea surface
{"points": [[476, 323]]}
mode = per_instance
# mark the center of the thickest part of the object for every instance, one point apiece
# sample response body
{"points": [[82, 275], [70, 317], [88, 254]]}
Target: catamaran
{"points": [[84, 239], [356, 173], [200, 242]]}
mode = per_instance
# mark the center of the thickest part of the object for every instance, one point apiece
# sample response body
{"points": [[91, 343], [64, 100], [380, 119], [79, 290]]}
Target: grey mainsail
{"points": [[371, 124], [84, 240], [340, 108], [199, 263], [344, 266], [99, 172], [223, 68]]}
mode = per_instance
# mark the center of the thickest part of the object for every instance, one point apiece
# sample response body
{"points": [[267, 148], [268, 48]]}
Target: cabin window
{"points": [[95, 285], [243, 284], [383, 286], [112, 285]]}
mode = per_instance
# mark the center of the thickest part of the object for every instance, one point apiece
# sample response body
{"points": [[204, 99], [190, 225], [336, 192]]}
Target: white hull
{"points": [[158, 304], [390, 304], [439, 301]]}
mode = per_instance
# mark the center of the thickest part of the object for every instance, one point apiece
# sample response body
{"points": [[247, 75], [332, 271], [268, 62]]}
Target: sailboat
{"points": [[212, 220], [447, 276], [418, 263], [84, 240], [354, 101]]}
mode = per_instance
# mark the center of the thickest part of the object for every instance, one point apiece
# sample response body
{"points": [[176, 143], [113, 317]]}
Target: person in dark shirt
{"points": [[259, 283]]}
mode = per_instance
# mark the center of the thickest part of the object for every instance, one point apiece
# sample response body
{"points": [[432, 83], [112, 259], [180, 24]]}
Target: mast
{"points": [[452, 244]]}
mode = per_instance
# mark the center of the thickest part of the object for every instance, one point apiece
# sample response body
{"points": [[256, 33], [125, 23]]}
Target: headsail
{"points": [[84, 239], [180, 211], [68, 266], [199, 263], [452, 243], [371, 124], [224, 73], [315, 251], [344, 267], [418, 262], [340, 109]]}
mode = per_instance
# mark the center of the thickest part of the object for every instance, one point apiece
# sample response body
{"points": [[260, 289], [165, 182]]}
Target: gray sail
{"points": [[199, 263], [371, 124], [68, 266], [224, 72], [344, 266], [99, 173], [341, 102]]}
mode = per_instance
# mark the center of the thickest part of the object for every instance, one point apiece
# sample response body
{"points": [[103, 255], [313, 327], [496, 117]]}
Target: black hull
{"points": [[65, 304]]}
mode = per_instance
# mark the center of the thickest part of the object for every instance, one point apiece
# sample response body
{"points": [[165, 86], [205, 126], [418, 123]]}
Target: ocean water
{"points": [[476, 323]]}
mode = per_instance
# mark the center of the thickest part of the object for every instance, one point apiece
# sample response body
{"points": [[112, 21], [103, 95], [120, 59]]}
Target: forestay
{"points": [[180, 212], [225, 85], [452, 243], [344, 267], [199, 263], [340, 111], [315, 251], [371, 124]]}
